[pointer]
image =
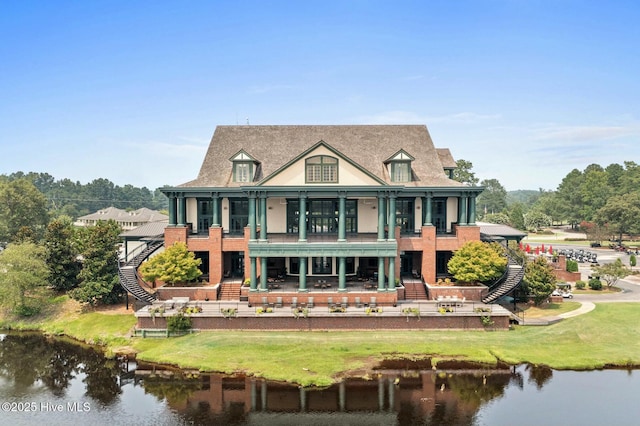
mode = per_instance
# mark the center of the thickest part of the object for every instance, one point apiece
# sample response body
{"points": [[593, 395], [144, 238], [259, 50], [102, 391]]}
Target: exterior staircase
{"points": [[509, 281], [230, 290], [128, 273], [414, 290]]}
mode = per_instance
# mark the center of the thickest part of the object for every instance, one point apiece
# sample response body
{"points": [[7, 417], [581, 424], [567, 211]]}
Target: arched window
{"points": [[321, 169]]}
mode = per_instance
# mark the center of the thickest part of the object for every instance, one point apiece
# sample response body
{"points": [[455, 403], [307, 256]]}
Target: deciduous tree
{"points": [[174, 265], [478, 261], [612, 272], [99, 275], [62, 254], [23, 278], [22, 206], [621, 214], [539, 279]]}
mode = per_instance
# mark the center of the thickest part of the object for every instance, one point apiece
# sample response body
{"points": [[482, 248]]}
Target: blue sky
{"points": [[131, 91]]}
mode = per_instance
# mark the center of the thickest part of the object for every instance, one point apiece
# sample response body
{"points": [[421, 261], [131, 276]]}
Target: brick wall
{"points": [[333, 322]]}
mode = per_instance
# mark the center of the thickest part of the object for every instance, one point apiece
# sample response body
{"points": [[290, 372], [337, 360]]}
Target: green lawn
{"points": [[548, 309], [609, 335]]}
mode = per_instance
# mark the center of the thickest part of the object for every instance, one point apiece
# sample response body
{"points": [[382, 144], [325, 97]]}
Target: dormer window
{"points": [[242, 172], [322, 169], [243, 167], [399, 166], [400, 171]]}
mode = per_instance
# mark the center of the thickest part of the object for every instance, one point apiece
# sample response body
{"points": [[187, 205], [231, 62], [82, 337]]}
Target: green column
{"points": [[380, 218], [173, 220], [263, 218], [462, 207], [182, 210], [302, 280], [263, 274], [392, 274], [342, 218], [342, 274], [381, 286], [472, 210], [392, 218], [427, 209], [253, 274], [215, 207], [252, 217], [302, 218]]}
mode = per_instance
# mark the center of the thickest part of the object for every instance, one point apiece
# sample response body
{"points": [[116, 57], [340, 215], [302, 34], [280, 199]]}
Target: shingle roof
{"points": [[446, 158], [494, 229], [141, 215], [367, 145], [151, 229]]}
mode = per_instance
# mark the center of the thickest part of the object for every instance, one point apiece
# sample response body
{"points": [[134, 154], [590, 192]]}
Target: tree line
{"points": [[42, 254], [604, 202], [74, 199]]}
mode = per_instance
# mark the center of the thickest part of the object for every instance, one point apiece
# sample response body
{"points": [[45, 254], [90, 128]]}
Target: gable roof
{"points": [[365, 145], [312, 149], [446, 158], [112, 213]]}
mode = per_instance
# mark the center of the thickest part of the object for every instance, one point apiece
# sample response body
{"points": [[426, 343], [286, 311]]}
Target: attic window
{"points": [[322, 169], [243, 167], [242, 172], [400, 166], [400, 171]]}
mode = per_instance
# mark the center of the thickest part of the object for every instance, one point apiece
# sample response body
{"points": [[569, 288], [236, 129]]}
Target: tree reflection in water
{"points": [[539, 375], [30, 359], [400, 393]]}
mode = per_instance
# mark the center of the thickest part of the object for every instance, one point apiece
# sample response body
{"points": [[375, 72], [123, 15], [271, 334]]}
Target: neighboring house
{"points": [[316, 201], [126, 219]]}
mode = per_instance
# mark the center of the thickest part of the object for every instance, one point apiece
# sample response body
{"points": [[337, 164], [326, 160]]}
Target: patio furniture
{"points": [[310, 302], [294, 302], [265, 302], [372, 302], [358, 303], [330, 302], [345, 302], [278, 302]]}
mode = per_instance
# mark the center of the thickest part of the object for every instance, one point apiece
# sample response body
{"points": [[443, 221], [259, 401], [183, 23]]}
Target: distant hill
{"points": [[524, 196]]}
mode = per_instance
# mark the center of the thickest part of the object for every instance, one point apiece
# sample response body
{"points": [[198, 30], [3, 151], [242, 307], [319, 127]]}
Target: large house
{"points": [[313, 203], [127, 220]]}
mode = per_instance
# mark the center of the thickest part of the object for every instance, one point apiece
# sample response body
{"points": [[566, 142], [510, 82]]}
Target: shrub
{"points": [[179, 322], [580, 285], [26, 310], [595, 284], [572, 265]]}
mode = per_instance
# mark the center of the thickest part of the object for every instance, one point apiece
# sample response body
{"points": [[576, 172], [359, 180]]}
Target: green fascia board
{"points": [[321, 191], [337, 249]]}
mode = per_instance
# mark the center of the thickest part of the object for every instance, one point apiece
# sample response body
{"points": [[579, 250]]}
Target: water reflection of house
{"points": [[384, 399]]}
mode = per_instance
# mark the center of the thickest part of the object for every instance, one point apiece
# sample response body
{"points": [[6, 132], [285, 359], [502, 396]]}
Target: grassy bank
{"points": [[609, 335]]}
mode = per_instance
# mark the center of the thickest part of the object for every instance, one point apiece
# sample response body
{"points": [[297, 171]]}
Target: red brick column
{"points": [[216, 258], [429, 253], [173, 234]]}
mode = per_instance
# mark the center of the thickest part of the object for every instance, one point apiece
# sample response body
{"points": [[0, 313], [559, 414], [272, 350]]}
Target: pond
{"points": [[58, 382]]}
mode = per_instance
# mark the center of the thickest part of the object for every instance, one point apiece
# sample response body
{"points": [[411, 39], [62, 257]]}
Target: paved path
{"points": [[630, 287]]}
